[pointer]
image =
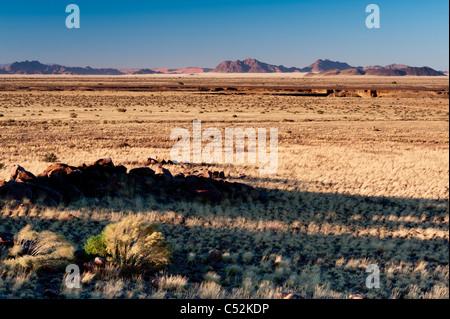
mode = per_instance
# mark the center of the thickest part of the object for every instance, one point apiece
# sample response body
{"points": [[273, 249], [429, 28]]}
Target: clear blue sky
{"points": [[204, 33]]}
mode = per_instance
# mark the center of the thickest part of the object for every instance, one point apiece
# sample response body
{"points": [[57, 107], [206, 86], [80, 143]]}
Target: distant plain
{"points": [[360, 181]]}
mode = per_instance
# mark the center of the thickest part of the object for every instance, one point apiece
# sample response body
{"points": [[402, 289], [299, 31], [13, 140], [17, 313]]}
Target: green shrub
{"points": [[2, 166], [96, 246]]}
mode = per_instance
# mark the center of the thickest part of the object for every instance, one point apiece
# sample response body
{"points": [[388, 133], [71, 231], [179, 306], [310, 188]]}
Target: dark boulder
{"points": [[105, 162], [44, 194], [203, 190], [215, 256], [121, 170], [58, 169], [13, 190], [113, 184], [19, 174], [61, 184], [163, 171], [143, 171]]}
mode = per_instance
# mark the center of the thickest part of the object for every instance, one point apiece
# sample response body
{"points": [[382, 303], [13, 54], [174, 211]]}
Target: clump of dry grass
{"points": [[211, 290], [172, 283], [33, 250], [135, 245]]}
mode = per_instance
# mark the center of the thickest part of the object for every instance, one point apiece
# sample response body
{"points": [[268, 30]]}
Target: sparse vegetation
{"points": [[50, 158], [366, 181]]}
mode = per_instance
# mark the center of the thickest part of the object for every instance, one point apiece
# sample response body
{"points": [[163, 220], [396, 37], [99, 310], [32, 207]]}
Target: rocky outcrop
{"points": [[251, 66], [326, 65], [423, 71], [384, 72], [62, 184]]}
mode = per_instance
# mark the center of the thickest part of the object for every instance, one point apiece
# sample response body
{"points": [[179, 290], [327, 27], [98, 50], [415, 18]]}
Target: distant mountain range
{"points": [[318, 68], [36, 67], [325, 67], [388, 70], [255, 66]]}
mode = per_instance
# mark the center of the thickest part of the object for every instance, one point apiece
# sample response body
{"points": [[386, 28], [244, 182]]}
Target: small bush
{"points": [[2, 166], [134, 245], [211, 290], [212, 276], [50, 157], [73, 115], [121, 110], [123, 145], [176, 283], [96, 246], [233, 270]]}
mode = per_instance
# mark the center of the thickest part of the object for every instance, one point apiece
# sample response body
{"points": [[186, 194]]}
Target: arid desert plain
{"points": [[362, 180]]}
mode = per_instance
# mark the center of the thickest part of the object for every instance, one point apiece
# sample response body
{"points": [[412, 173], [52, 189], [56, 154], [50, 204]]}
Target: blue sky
{"points": [[204, 33]]}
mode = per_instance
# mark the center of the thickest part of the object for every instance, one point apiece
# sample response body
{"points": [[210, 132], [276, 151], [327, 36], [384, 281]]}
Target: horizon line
{"points": [[203, 67]]}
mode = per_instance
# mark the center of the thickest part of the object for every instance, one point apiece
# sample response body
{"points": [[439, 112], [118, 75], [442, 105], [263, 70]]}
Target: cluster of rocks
{"points": [[61, 183]]}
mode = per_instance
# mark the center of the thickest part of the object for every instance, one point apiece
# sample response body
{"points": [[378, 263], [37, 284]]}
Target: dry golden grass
{"points": [[360, 181]]}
